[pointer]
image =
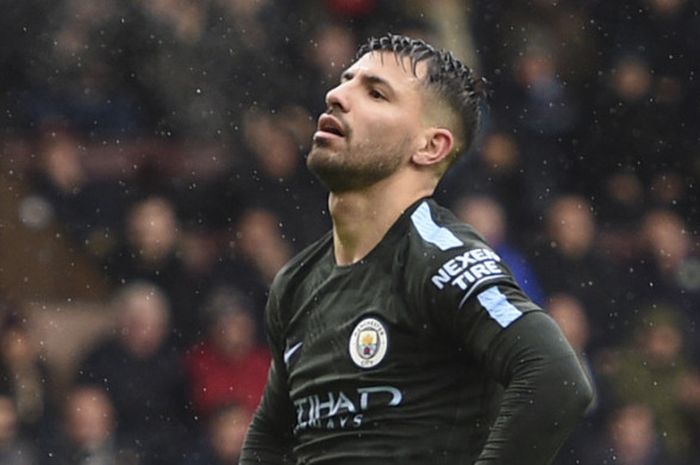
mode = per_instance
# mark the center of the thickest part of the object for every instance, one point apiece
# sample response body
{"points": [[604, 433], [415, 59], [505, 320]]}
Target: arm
{"points": [[475, 302], [269, 439], [546, 392]]}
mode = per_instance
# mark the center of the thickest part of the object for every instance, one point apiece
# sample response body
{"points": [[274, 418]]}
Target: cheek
{"points": [[388, 130]]}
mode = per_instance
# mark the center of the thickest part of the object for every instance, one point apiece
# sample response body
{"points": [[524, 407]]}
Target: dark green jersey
{"points": [[401, 357]]}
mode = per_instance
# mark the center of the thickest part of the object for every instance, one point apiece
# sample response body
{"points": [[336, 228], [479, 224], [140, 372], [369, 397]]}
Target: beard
{"points": [[354, 168]]}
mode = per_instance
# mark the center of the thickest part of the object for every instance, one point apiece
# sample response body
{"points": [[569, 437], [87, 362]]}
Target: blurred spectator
{"points": [[367, 17], [259, 243], [660, 29], [141, 373], [150, 252], [570, 245], [668, 190], [21, 26], [151, 233], [89, 435], [551, 111], [79, 83], [487, 216], [496, 169], [87, 208], [623, 205], [669, 268], [327, 55], [25, 376], [14, 448], [667, 240], [631, 438], [278, 180], [540, 56], [229, 365], [570, 315], [653, 370], [222, 440], [180, 75], [568, 312], [624, 128], [257, 250]]}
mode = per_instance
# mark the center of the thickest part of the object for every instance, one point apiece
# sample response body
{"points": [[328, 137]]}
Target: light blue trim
{"points": [[493, 300], [431, 232], [476, 284]]}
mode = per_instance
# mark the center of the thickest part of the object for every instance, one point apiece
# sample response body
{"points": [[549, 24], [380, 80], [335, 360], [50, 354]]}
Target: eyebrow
{"points": [[367, 79]]}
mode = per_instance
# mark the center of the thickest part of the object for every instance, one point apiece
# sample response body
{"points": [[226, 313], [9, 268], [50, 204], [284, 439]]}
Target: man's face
{"points": [[372, 124]]}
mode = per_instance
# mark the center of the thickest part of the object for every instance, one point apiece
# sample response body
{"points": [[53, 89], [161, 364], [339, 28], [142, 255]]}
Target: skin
{"points": [[391, 143]]}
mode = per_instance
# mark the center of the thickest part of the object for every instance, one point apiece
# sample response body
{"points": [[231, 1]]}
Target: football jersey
{"points": [[394, 358]]}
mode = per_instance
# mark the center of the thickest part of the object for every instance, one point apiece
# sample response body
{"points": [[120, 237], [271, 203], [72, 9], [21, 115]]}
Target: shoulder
{"points": [[291, 279], [438, 229], [446, 254], [436, 235], [300, 264]]}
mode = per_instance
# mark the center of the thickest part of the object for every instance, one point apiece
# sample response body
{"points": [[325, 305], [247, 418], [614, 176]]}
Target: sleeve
{"points": [[478, 305], [269, 439]]}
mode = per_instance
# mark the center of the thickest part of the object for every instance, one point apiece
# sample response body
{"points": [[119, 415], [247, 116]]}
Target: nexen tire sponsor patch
{"points": [[466, 269]]}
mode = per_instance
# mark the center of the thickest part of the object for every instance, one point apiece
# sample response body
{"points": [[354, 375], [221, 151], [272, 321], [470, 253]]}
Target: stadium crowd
{"points": [[167, 140]]}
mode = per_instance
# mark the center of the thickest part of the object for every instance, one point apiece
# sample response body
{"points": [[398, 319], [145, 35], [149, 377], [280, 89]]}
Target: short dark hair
{"points": [[450, 79]]}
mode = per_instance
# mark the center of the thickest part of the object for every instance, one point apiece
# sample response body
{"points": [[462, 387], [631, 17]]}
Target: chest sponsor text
{"points": [[343, 410]]}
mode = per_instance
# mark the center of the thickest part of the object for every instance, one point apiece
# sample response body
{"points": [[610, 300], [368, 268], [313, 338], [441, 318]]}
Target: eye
{"points": [[375, 94]]}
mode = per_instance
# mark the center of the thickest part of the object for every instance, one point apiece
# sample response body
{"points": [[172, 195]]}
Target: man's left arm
{"points": [[546, 389], [473, 299], [520, 346]]}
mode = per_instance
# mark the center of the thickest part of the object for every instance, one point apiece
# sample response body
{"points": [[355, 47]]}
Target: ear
{"points": [[438, 144]]}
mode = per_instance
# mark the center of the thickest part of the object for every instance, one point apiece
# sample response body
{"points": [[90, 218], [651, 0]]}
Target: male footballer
{"points": [[400, 337]]}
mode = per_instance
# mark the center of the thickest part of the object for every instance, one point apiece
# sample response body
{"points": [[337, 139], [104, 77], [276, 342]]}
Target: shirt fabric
{"points": [[402, 357]]}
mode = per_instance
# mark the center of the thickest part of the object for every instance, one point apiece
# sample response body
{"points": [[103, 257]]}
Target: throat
{"points": [[359, 224], [361, 218]]}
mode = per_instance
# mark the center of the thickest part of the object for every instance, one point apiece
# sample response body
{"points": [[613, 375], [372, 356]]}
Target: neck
{"points": [[362, 218]]}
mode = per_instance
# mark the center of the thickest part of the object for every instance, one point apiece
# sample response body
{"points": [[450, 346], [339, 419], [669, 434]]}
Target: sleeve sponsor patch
{"points": [[467, 270]]}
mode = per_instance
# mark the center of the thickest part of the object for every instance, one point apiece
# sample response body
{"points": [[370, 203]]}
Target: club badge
{"points": [[368, 343]]}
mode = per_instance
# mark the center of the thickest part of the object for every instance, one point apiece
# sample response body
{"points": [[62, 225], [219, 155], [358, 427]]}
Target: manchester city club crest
{"points": [[368, 343]]}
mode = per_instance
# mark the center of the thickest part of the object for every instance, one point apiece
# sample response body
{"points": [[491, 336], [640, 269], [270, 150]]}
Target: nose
{"points": [[337, 97]]}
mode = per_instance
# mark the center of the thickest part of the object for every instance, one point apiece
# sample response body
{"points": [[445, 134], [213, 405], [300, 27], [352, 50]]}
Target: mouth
{"points": [[329, 125]]}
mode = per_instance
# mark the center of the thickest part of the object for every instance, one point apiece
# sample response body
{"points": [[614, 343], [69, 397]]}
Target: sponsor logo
{"points": [[291, 351], [466, 269], [343, 410], [368, 343]]}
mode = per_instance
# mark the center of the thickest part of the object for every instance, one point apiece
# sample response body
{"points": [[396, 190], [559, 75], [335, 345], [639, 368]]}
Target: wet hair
{"points": [[447, 77]]}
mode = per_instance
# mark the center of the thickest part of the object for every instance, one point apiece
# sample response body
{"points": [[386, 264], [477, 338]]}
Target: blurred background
{"points": [[152, 183]]}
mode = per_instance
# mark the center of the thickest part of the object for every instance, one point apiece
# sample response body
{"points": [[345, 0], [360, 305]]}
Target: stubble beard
{"points": [[344, 170]]}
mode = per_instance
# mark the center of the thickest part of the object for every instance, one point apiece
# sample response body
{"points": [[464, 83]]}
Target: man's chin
{"points": [[341, 171], [321, 163], [327, 166]]}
